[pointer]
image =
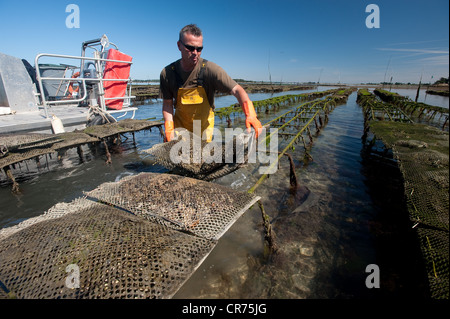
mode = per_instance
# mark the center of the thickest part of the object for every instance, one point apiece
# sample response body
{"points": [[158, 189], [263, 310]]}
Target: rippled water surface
{"points": [[344, 216]]}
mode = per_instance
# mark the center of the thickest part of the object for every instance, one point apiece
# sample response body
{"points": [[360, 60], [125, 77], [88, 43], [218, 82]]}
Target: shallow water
{"points": [[325, 240], [344, 216], [435, 100]]}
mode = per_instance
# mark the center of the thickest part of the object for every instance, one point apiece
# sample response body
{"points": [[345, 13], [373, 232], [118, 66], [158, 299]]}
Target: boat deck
{"points": [[22, 122], [72, 117]]}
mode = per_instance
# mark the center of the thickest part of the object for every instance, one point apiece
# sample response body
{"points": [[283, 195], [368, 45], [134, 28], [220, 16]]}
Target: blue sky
{"points": [[299, 41]]}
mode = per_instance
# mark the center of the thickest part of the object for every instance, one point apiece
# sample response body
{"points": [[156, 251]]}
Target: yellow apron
{"points": [[193, 104]]}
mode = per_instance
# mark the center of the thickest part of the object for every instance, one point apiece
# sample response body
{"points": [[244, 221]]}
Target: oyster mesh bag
{"points": [[188, 155], [422, 153], [141, 237]]}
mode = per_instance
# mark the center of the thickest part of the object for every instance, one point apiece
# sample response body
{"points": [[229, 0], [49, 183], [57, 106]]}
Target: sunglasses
{"points": [[192, 48]]}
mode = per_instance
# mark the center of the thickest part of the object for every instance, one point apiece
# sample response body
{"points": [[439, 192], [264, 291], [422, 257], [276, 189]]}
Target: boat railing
{"points": [[100, 102]]}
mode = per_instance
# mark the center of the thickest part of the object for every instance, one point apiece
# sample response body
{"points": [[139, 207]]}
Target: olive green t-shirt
{"points": [[215, 79]]}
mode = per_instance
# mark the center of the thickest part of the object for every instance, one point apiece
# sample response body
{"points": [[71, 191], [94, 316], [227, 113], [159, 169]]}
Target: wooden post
{"points": [[15, 187], [269, 235]]}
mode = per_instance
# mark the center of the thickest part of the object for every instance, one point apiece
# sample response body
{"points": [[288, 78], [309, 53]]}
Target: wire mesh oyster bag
{"points": [[422, 152], [143, 239], [188, 155], [182, 203], [24, 142]]}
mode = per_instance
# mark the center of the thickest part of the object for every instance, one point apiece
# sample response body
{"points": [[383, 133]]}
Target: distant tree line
{"points": [[138, 81], [442, 81]]}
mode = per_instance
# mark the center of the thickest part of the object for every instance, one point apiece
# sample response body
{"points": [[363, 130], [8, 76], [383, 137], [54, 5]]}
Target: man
{"points": [[188, 86]]}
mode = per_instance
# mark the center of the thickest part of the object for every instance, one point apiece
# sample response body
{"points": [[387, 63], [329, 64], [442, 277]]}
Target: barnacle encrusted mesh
{"points": [[23, 142], [24, 147], [12, 158], [423, 156], [120, 127], [183, 203], [191, 156], [70, 139], [119, 253], [15, 148]]}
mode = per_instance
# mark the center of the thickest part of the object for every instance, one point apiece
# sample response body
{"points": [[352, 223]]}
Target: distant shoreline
{"points": [[151, 91], [395, 86]]}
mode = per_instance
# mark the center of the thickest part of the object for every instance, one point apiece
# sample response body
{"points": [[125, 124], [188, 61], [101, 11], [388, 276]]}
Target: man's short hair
{"points": [[192, 29]]}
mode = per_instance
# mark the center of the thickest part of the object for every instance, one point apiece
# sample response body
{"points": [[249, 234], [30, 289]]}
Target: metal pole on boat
{"points": [[41, 87], [101, 90]]}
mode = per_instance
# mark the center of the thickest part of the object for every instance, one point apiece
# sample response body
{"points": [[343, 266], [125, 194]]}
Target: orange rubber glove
{"points": [[168, 126], [250, 118]]}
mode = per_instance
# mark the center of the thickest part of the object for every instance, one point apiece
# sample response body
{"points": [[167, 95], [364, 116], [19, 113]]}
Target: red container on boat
{"points": [[116, 70]]}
